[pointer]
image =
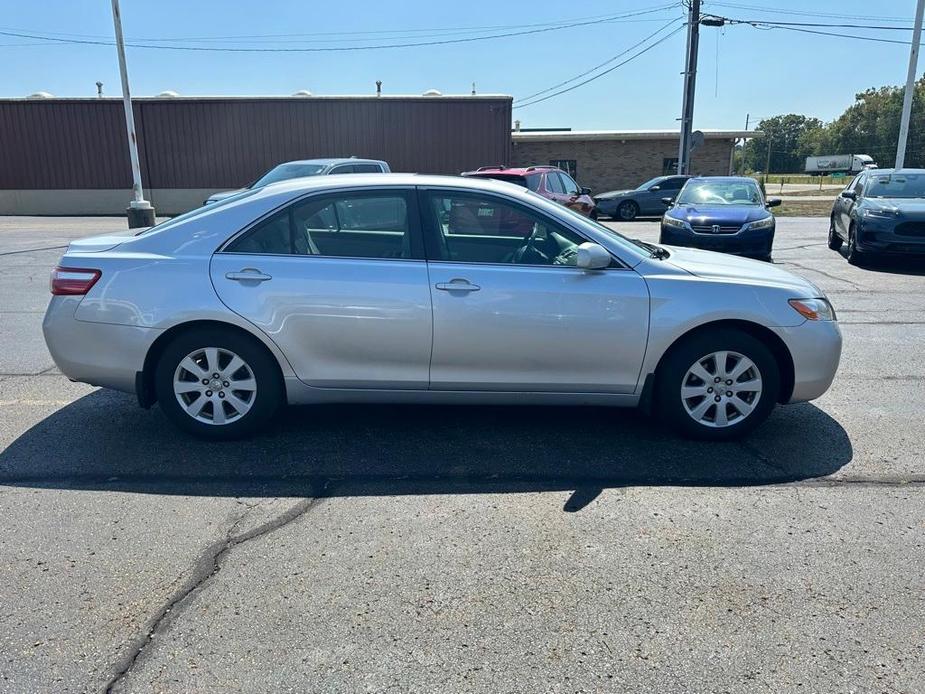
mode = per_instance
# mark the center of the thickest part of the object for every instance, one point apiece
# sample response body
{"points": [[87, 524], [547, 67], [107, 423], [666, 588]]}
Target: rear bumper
{"points": [[815, 347], [751, 243], [101, 354]]}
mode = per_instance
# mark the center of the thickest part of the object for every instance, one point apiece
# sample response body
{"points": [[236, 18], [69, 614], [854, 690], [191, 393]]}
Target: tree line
{"points": [[869, 126]]}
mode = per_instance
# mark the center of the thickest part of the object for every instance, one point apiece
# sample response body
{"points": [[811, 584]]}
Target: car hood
{"points": [[215, 197], [719, 214], [610, 195], [725, 267]]}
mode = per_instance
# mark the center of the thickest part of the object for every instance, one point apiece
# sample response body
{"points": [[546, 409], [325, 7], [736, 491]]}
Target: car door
{"points": [[669, 188], [572, 193], [338, 281], [511, 313], [847, 205]]}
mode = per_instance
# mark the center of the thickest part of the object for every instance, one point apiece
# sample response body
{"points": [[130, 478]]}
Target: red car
{"points": [[548, 181]]}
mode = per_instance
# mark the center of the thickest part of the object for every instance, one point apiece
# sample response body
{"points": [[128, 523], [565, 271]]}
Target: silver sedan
{"points": [[411, 289]]}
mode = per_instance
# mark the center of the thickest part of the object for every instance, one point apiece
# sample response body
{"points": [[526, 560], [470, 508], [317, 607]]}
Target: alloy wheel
{"points": [[721, 389], [215, 386]]}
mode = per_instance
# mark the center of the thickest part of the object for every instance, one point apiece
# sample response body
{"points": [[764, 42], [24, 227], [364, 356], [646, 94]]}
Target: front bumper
{"points": [[815, 347], [757, 242], [880, 236], [101, 354]]}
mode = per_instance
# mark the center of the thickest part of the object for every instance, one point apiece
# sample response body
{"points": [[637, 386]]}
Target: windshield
{"points": [[634, 245], [720, 192], [897, 185], [651, 182], [284, 172]]}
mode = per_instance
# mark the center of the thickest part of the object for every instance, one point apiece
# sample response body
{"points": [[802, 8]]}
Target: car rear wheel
{"points": [[835, 240], [217, 384], [627, 211], [717, 385]]}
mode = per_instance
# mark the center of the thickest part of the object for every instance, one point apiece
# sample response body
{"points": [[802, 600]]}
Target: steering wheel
{"points": [[528, 247]]}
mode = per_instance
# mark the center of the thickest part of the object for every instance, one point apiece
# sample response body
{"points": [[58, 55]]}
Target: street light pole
{"points": [[910, 87], [690, 84], [140, 212]]}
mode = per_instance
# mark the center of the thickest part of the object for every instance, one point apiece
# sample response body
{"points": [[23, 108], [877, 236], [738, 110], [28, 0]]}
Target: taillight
{"points": [[72, 281]]}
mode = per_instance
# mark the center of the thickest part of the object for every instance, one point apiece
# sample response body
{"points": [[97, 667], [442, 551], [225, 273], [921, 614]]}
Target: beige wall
{"points": [[613, 164], [167, 201]]}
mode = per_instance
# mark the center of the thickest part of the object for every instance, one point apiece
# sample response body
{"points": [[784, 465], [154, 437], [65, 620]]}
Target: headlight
{"points": [[813, 309], [674, 222], [765, 223], [878, 214]]}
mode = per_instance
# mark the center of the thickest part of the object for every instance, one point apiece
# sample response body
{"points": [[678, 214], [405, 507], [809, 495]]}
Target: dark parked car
{"points": [[880, 211], [307, 167], [548, 181], [721, 213], [646, 200]]}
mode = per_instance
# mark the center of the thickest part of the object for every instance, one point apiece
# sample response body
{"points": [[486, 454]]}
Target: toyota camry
{"points": [[429, 289]]}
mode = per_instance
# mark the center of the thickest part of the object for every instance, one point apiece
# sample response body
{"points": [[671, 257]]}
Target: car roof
{"points": [[360, 180], [904, 170], [330, 161], [727, 179], [486, 171]]}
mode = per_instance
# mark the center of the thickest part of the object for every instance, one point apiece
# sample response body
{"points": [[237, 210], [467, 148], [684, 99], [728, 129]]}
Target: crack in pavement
{"points": [[857, 286], [207, 566], [33, 250]]}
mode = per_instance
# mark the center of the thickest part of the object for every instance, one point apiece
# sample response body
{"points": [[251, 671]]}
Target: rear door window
{"points": [[367, 168], [554, 184]]}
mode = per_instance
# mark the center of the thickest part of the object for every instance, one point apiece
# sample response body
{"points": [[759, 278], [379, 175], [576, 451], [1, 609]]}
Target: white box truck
{"points": [[839, 163]]}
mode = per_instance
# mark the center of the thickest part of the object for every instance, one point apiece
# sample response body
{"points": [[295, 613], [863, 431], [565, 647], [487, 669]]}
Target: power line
{"points": [[597, 67], [605, 72], [768, 25], [804, 13], [439, 42]]}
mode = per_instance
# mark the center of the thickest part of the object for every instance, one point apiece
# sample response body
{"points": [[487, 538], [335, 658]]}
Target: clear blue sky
{"points": [[742, 69]]}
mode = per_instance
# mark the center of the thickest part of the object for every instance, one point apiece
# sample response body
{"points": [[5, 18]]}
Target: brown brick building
{"points": [[611, 160]]}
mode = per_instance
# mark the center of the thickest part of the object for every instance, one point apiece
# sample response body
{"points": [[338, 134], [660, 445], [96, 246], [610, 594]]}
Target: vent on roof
{"points": [[432, 92], [41, 95], [302, 92], [169, 94]]}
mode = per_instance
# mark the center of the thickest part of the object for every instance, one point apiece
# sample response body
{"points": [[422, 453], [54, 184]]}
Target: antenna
{"points": [[99, 90]]}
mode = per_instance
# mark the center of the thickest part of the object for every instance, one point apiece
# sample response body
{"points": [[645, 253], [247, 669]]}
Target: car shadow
{"points": [[103, 441], [891, 264]]}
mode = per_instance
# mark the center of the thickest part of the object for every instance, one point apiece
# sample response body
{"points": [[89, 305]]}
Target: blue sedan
{"points": [[881, 211], [721, 213]]}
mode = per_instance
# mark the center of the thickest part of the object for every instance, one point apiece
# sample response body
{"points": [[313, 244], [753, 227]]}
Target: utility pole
{"points": [[910, 87], [140, 212], [690, 84], [767, 165]]}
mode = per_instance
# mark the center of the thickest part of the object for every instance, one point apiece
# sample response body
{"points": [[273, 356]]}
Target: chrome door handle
{"points": [[248, 274], [457, 285]]}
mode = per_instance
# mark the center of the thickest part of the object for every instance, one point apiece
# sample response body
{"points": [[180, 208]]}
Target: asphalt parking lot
{"points": [[459, 549]]}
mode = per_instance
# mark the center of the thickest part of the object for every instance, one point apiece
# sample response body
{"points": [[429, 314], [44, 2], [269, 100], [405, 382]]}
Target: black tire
{"points": [[674, 368], [835, 241], [264, 402], [627, 211], [855, 257], [593, 214]]}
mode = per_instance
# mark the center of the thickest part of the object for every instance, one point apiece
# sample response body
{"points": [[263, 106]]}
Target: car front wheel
{"points": [[855, 257], [217, 384], [717, 385]]}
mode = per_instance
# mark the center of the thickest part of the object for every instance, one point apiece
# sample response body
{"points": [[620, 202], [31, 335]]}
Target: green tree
{"points": [[792, 137]]}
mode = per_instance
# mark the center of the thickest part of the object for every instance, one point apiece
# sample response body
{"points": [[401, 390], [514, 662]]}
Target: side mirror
{"points": [[586, 191], [773, 202], [849, 195], [592, 256], [655, 189], [668, 201]]}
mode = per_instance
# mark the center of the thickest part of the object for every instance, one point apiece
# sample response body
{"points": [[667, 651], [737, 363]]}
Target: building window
{"points": [[669, 166], [569, 166]]}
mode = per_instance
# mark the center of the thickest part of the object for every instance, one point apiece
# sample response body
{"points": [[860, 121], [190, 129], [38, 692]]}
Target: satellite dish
{"points": [[696, 139]]}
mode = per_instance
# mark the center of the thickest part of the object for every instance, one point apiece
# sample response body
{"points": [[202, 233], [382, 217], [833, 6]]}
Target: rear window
{"points": [[510, 178]]}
